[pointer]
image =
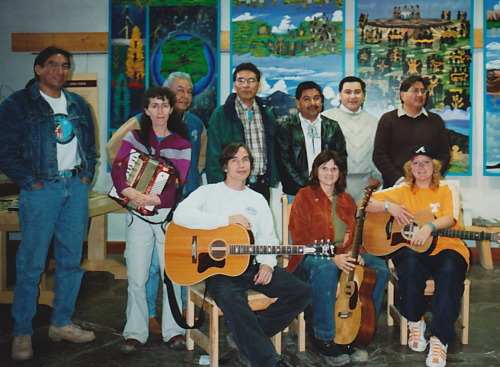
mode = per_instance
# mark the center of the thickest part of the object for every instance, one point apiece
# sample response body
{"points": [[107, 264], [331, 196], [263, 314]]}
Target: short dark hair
{"points": [[307, 85], [43, 56], [352, 79], [230, 151], [326, 156], [247, 66]]}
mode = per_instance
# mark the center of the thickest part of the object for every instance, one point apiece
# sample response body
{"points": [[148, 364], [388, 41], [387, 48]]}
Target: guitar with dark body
{"points": [[355, 318]]}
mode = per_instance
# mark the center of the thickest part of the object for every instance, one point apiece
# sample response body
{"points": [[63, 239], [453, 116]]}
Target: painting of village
{"points": [[492, 95], [397, 39], [290, 41]]}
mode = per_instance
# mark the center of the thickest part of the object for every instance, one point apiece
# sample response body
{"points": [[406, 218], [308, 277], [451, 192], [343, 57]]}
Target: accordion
{"points": [[146, 175]]}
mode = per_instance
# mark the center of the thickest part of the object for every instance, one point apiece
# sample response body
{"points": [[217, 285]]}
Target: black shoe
{"points": [[334, 354]]}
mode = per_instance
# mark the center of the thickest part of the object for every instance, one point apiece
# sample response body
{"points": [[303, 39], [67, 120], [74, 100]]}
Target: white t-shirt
{"points": [[67, 144]]}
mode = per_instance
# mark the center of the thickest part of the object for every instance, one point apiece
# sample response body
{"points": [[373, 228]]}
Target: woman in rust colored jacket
{"points": [[311, 220]]}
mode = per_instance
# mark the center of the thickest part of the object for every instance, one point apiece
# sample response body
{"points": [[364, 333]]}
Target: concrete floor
{"points": [[101, 307]]}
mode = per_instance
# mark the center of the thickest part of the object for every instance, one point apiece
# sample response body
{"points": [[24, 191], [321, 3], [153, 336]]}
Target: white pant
{"points": [[141, 237]]}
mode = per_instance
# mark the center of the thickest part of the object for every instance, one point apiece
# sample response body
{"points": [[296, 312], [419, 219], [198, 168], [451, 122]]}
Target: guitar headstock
{"points": [[495, 237], [366, 197], [321, 249]]}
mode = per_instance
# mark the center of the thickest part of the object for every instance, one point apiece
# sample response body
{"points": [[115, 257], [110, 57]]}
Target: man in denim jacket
{"points": [[47, 147]]}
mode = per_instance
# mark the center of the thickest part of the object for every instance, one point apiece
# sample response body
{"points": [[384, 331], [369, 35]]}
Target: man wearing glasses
{"points": [[408, 126], [246, 118], [47, 147]]}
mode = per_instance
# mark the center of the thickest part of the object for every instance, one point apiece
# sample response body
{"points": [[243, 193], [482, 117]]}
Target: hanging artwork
{"points": [[290, 41], [492, 95], [149, 40], [396, 39]]}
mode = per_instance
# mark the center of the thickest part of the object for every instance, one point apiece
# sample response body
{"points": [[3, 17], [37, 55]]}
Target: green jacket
{"points": [[225, 127]]}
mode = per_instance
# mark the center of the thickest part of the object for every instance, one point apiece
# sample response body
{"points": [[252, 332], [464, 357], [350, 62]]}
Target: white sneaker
{"points": [[416, 339], [71, 333], [437, 353], [21, 348]]}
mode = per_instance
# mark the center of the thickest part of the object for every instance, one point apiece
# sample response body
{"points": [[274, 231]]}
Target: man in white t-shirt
{"points": [[47, 147]]}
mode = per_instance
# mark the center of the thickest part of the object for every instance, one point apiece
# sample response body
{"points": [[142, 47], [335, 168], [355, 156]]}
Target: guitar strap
{"points": [[174, 307], [339, 227]]}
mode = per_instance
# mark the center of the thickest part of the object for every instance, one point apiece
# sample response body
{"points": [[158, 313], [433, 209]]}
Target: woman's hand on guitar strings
{"points": [[421, 236]]}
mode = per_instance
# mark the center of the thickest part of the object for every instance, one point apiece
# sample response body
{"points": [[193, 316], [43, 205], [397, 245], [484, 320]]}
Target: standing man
{"points": [[359, 129], [246, 118], [232, 202], [303, 136], [408, 126], [47, 147]]}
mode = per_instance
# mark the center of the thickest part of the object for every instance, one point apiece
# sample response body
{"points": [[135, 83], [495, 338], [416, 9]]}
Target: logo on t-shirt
{"points": [[64, 129]]}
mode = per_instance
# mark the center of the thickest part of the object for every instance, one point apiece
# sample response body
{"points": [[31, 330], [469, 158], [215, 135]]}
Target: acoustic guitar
{"points": [[354, 313], [383, 235], [192, 255]]}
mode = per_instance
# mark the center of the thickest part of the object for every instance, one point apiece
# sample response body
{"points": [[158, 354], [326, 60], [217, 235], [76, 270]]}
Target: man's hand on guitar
{"points": [[264, 275], [241, 220]]}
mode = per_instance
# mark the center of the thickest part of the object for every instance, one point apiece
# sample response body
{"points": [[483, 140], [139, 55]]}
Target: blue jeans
{"points": [[448, 268], [323, 276], [57, 210], [251, 330]]}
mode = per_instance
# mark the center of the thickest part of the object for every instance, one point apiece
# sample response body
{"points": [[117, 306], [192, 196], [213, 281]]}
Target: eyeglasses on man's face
{"points": [[54, 66], [243, 81], [418, 91]]}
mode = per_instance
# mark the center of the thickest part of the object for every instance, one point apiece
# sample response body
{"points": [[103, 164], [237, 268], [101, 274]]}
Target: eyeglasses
{"points": [[418, 91], [54, 66], [250, 81]]}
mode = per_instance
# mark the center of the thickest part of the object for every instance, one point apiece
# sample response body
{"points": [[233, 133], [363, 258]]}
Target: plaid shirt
{"points": [[254, 134]]}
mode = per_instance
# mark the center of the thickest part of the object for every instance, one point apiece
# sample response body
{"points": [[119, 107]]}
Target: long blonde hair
{"points": [[435, 179]]}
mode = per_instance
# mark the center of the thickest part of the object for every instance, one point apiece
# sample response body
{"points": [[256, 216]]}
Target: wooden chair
{"points": [[394, 315], [210, 342], [299, 324]]}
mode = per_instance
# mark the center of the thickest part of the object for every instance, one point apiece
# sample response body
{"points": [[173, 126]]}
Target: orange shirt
{"points": [[443, 201]]}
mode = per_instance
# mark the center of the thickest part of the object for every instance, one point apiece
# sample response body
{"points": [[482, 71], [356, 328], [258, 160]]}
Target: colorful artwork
{"points": [[151, 39], [290, 41], [397, 39], [492, 96]]}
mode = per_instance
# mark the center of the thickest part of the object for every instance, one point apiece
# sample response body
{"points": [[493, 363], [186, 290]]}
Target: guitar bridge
{"points": [[194, 249]]}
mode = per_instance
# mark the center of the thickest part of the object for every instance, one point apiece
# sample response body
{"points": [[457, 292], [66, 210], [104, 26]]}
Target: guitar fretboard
{"points": [[320, 249], [465, 235]]}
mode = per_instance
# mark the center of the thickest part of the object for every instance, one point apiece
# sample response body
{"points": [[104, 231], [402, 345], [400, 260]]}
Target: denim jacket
{"points": [[28, 147]]}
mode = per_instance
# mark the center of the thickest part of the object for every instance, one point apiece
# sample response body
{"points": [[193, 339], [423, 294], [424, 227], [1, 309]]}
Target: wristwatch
{"points": [[386, 206]]}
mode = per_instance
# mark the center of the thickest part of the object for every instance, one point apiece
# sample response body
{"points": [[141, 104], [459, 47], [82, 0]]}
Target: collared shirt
{"points": [[255, 135], [402, 112], [312, 135]]}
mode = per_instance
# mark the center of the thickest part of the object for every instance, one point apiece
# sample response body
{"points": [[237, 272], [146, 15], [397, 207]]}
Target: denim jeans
{"points": [[323, 276], [448, 269], [57, 210], [251, 330], [141, 237]]}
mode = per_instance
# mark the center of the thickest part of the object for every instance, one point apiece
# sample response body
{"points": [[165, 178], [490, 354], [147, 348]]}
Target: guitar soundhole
{"points": [[218, 250], [409, 230]]}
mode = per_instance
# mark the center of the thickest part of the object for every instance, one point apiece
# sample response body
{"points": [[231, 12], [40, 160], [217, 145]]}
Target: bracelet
{"points": [[386, 206], [433, 227]]}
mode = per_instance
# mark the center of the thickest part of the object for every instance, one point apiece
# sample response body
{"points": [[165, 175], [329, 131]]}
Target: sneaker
{"points": [[154, 326], [21, 348], [437, 353], [333, 353], [71, 333], [355, 355], [416, 339], [130, 346]]}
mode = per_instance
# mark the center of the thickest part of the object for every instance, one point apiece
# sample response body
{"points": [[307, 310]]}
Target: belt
{"points": [[68, 173]]}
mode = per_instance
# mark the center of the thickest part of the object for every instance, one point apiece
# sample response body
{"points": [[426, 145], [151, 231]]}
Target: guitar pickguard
{"points": [[205, 262]]}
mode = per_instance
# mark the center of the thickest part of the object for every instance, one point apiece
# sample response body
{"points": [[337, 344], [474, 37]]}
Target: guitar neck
{"points": [[465, 235], [245, 249]]}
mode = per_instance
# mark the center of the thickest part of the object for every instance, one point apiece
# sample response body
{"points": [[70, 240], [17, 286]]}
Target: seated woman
{"points": [[310, 220], [447, 262], [158, 136]]}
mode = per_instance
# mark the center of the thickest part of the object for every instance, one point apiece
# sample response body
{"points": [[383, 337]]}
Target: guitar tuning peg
{"points": [[322, 241]]}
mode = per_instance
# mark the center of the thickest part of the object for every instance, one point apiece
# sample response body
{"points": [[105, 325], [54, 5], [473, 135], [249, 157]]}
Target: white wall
{"points": [[480, 193]]}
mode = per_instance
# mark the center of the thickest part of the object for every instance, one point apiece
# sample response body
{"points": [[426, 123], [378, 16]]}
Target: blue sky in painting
{"points": [[428, 9]]}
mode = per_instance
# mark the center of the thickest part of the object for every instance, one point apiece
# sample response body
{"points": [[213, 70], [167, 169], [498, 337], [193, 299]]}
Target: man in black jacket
{"points": [[303, 136]]}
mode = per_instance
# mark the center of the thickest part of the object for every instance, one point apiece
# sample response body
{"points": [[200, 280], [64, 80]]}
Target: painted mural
{"points": [[396, 39]]}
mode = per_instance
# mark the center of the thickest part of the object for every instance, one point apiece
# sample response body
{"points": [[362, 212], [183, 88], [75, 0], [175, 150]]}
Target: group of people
{"points": [[324, 160]]}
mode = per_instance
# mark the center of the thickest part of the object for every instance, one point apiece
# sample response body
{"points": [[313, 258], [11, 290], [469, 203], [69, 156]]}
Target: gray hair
{"points": [[176, 75]]}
